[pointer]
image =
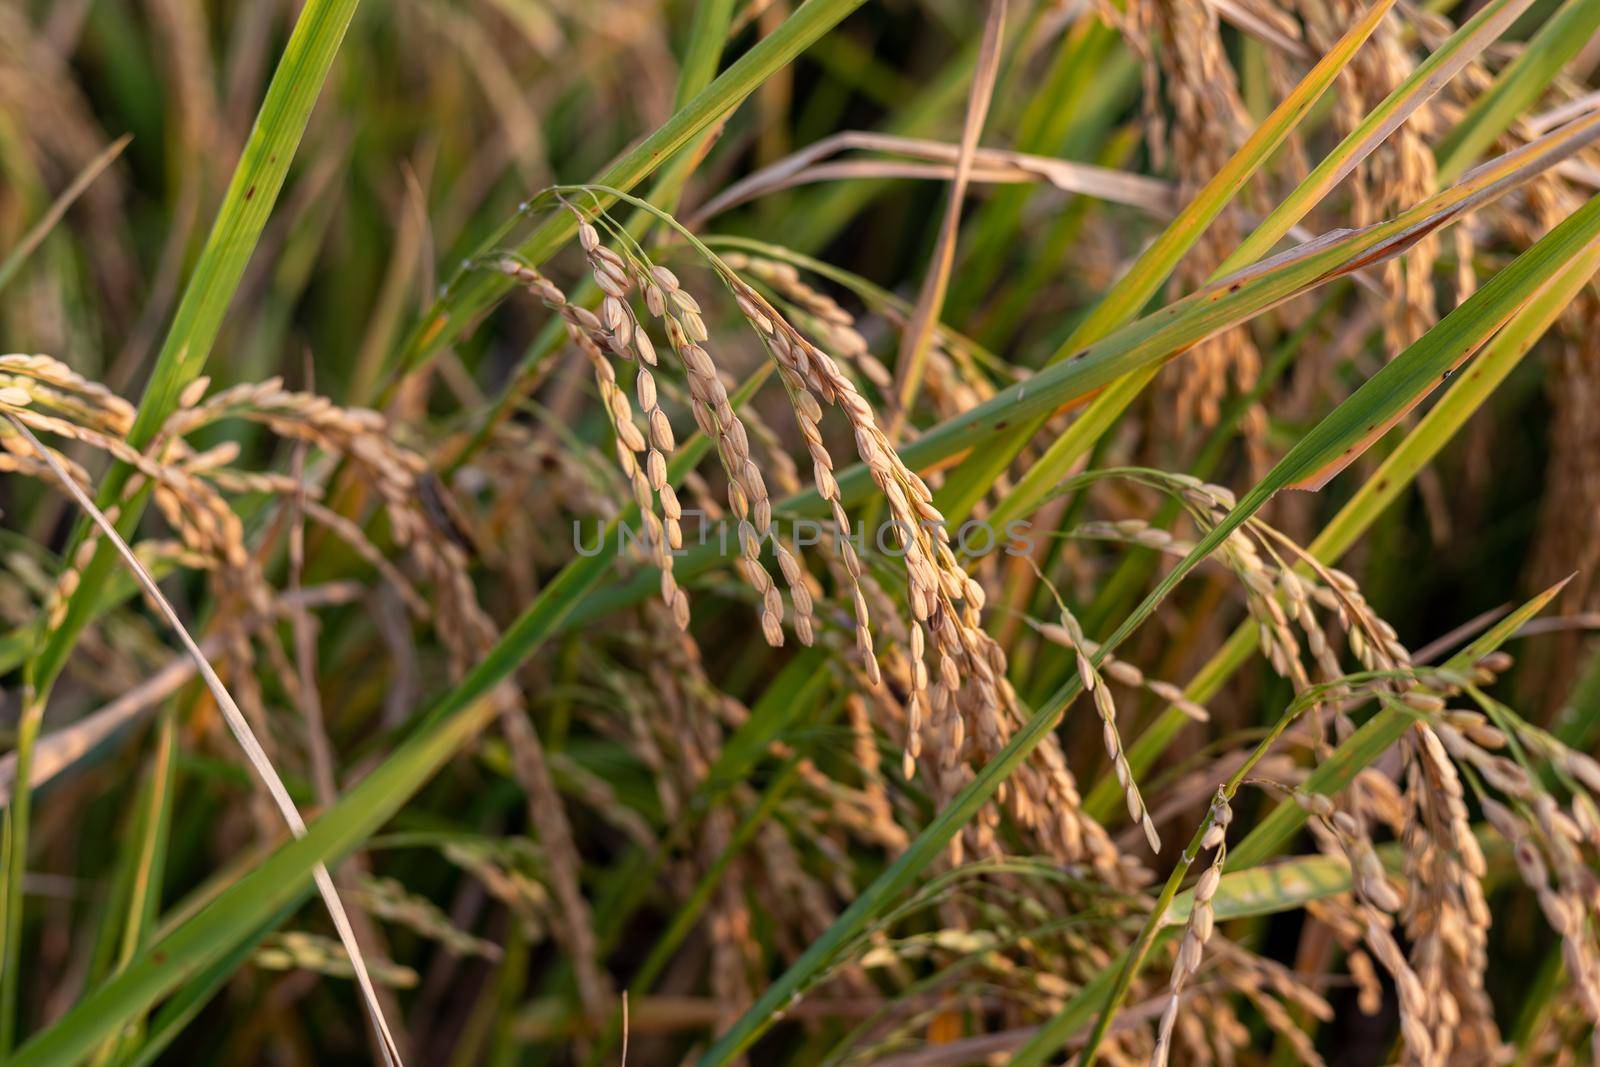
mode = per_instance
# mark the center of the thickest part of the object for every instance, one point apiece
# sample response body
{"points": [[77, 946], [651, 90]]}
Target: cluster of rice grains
{"points": [[1284, 588], [952, 383], [1202, 921], [1438, 902], [657, 702], [1399, 172], [1186, 67], [192, 490], [957, 706]]}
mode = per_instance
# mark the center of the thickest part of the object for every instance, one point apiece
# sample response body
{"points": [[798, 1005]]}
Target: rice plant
{"points": [[803, 532]]}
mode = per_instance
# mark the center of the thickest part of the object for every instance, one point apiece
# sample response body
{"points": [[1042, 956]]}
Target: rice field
{"points": [[808, 533]]}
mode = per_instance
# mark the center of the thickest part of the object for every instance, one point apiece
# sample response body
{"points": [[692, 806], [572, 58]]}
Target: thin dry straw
{"points": [[936, 160], [625, 1028], [914, 342], [241, 732], [58, 208], [1261, 28]]}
